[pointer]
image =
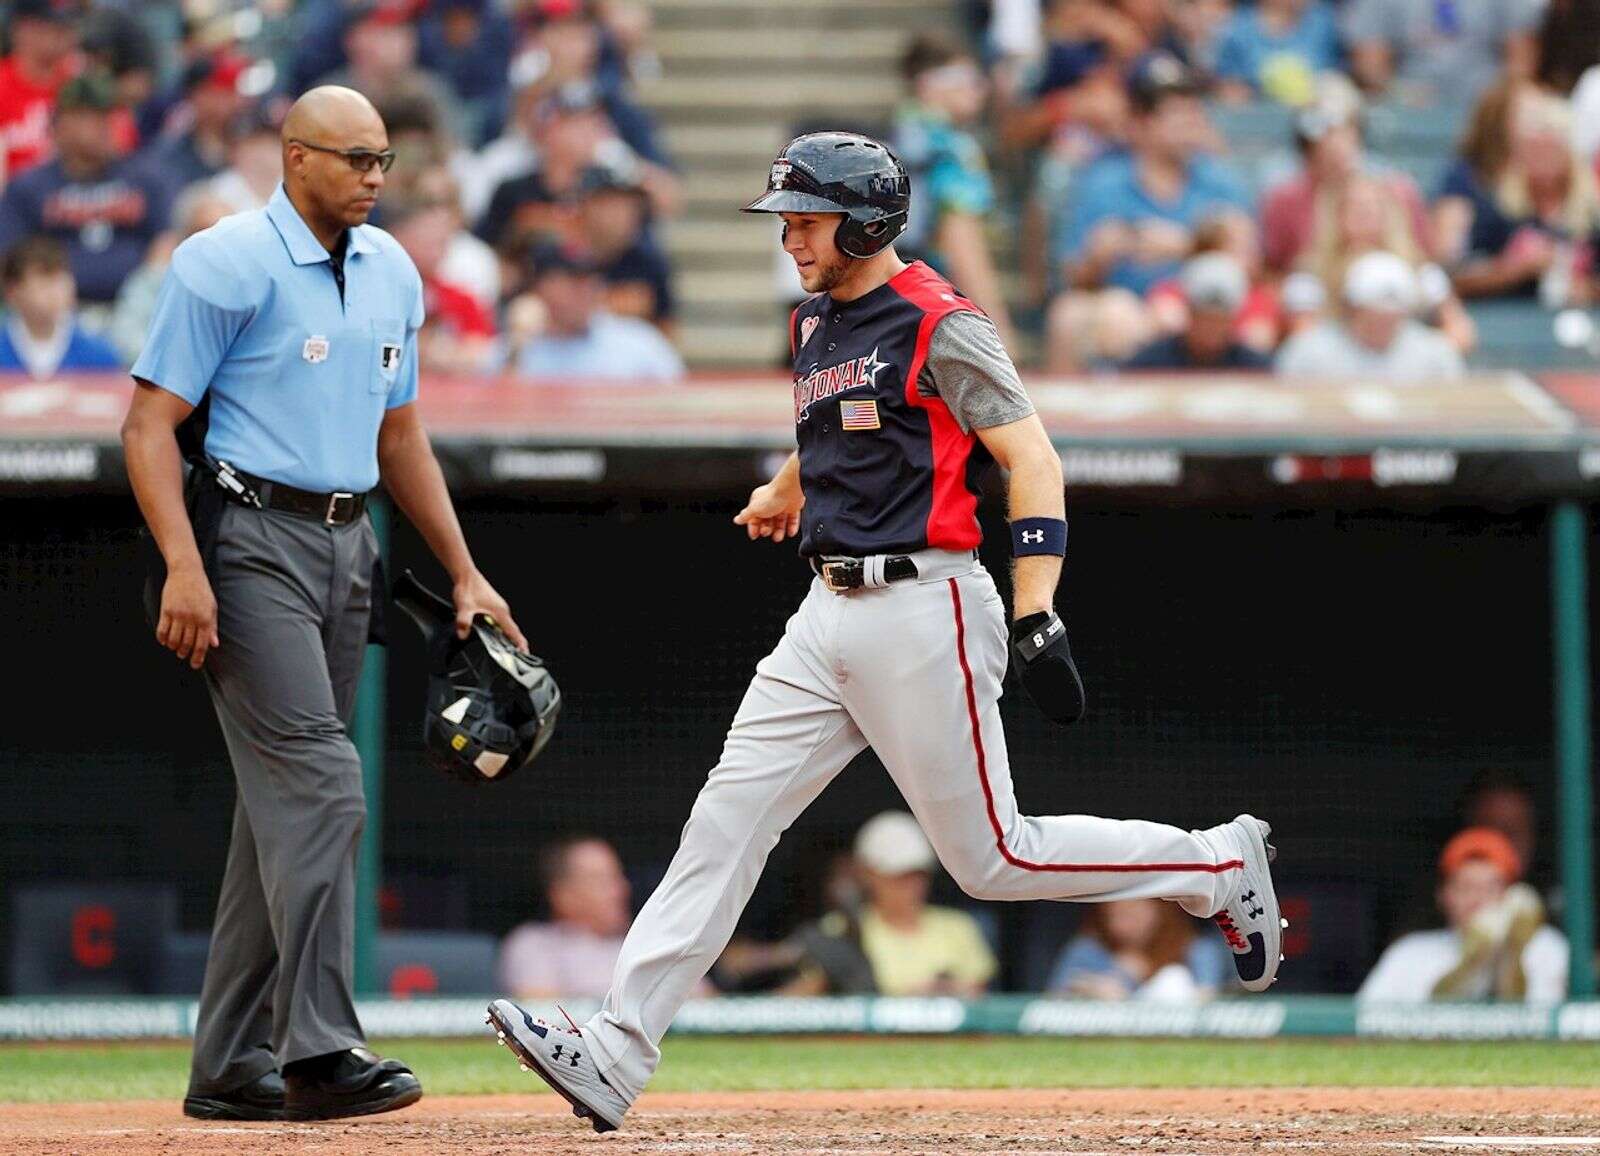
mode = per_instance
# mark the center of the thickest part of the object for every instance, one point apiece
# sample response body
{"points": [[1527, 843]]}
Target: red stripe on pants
{"points": [[988, 791]]}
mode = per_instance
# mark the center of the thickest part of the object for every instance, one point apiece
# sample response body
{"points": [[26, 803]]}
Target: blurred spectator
{"points": [[468, 262], [421, 141], [1503, 802], [568, 46], [1276, 49], [255, 159], [1567, 43], [380, 46], [913, 947], [1259, 319], [933, 135], [1214, 288], [1495, 944], [215, 100], [1516, 214], [1143, 949], [43, 35], [513, 154], [612, 212], [106, 210], [574, 953], [572, 134], [1133, 216], [457, 336], [1439, 52], [1327, 135], [1076, 87], [116, 43], [1376, 337], [1366, 214], [197, 208], [561, 331], [468, 43], [42, 336]]}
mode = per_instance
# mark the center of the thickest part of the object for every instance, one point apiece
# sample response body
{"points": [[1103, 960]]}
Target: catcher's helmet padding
{"points": [[841, 172], [491, 708]]}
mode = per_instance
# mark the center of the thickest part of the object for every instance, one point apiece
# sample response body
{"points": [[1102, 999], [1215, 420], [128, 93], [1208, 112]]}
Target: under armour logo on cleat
{"points": [[1249, 900], [571, 1057]]}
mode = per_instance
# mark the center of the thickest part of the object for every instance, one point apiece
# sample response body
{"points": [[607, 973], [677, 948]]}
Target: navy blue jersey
{"points": [[884, 469]]}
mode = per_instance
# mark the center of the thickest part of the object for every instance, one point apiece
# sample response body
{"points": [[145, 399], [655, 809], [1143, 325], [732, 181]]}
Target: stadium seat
{"points": [[435, 963], [89, 938]]}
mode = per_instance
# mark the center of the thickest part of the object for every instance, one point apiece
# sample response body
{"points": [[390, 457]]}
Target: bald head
{"points": [[333, 156], [334, 116]]}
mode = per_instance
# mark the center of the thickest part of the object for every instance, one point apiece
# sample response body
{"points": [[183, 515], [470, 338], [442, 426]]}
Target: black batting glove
{"points": [[1044, 664]]}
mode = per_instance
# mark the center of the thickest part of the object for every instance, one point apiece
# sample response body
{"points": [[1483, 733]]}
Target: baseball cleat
{"points": [[1250, 920], [560, 1057]]}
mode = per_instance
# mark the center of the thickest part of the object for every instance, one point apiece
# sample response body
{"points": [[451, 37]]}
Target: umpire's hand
{"points": [[473, 595], [188, 625]]}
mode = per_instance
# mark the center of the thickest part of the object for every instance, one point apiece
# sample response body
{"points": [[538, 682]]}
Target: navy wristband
{"points": [[1039, 536]]}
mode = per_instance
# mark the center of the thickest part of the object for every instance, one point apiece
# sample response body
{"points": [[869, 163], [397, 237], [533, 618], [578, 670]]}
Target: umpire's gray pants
{"points": [[294, 597]]}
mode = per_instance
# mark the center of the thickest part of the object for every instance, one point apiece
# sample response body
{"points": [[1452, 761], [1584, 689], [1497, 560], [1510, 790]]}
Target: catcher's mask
{"points": [[491, 708]]}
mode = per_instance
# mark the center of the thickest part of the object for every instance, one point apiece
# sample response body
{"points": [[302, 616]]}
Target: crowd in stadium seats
{"points": [[527, 187], [1282, 141]]}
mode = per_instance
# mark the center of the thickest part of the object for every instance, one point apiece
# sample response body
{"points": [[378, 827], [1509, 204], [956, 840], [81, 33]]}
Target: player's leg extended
{"points": [[789, 739], [926, 663]]}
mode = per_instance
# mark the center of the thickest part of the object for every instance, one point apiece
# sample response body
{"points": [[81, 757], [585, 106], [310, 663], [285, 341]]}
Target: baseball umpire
{"points": [[903, 393], [289, 335]]}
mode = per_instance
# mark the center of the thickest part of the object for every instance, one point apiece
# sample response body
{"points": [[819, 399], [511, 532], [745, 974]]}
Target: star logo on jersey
{"points": [[824, 382]]}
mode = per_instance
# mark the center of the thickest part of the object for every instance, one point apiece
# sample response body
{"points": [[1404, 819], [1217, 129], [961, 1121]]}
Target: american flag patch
{"points": [[859, 415]]}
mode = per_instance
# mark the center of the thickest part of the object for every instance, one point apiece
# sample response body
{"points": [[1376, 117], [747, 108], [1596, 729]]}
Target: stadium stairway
{"points": [[737, 77]]}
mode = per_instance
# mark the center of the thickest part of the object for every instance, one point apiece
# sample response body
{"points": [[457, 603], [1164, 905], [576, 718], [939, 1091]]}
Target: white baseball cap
{"points": [[893, 844], [1214, 281], [1381, 281]]}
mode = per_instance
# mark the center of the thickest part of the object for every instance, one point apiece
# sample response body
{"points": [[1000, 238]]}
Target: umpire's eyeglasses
{"points": [[361, 160]]}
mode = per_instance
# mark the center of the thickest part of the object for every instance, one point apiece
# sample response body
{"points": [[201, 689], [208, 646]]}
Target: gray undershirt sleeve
{"points": [[971, 371]]}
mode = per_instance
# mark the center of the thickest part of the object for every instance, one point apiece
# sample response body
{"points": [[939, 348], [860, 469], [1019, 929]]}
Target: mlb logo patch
{"points": [[807, 328], [389, 358], [315, 349], [859, 415]]}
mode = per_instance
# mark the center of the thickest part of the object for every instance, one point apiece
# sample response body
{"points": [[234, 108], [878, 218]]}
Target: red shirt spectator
{"points": [[44, 41], [455, 310]]}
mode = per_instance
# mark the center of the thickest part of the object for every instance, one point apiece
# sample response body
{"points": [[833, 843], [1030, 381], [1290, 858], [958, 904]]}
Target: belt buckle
{"points": [[331, 517], [841, 567]]}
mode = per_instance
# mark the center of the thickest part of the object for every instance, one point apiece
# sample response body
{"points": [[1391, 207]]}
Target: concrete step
{"points": [[727, 286], [735, 236], [710, 345], [695, 142], [754, 49], [782, 97]]}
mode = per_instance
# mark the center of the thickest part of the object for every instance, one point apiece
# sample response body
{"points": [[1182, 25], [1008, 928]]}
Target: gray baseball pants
{"points": [[913, 669], [294, 597]]}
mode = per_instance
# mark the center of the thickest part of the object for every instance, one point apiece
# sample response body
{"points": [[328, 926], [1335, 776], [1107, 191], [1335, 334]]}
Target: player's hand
{"points": [[473, 595], [188, 624], [1044, 664], [772, 513]]}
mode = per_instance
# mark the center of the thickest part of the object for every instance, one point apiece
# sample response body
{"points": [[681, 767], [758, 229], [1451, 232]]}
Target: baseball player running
{"points": [[902, 395]]}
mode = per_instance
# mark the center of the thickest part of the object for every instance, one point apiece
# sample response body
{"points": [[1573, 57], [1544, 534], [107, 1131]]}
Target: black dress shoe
{"points": [[260, 1099], [349, 1083]]}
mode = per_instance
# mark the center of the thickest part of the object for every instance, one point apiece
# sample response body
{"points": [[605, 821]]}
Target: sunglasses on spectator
{"points": [[361, 160]]}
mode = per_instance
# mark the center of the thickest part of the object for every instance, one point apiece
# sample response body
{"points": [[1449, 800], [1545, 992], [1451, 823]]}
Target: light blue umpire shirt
{"points": [[299, 379]]}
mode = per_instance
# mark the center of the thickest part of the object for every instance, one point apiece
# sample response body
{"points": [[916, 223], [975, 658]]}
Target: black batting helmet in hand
{"points": [[491, 707], [841, 172]]}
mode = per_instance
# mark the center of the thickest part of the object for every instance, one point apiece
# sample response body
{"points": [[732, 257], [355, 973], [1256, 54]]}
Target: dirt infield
{"points": [[1352, 1121]]}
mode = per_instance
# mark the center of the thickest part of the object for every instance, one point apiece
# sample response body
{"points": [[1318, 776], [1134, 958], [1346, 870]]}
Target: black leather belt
{"points": [[336, 509], [851, 573]]}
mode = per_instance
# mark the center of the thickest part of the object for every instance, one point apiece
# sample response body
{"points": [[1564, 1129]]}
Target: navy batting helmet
{"points": [[491, 707], [841, 172]]}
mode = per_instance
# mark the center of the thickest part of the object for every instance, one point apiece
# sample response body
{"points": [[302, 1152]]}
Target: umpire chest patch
{"points": [[856, 415], [315, 350], [389, 357]]}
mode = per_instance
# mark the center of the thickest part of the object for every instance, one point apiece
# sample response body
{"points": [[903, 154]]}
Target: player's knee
{"points": [[981, 878]]}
